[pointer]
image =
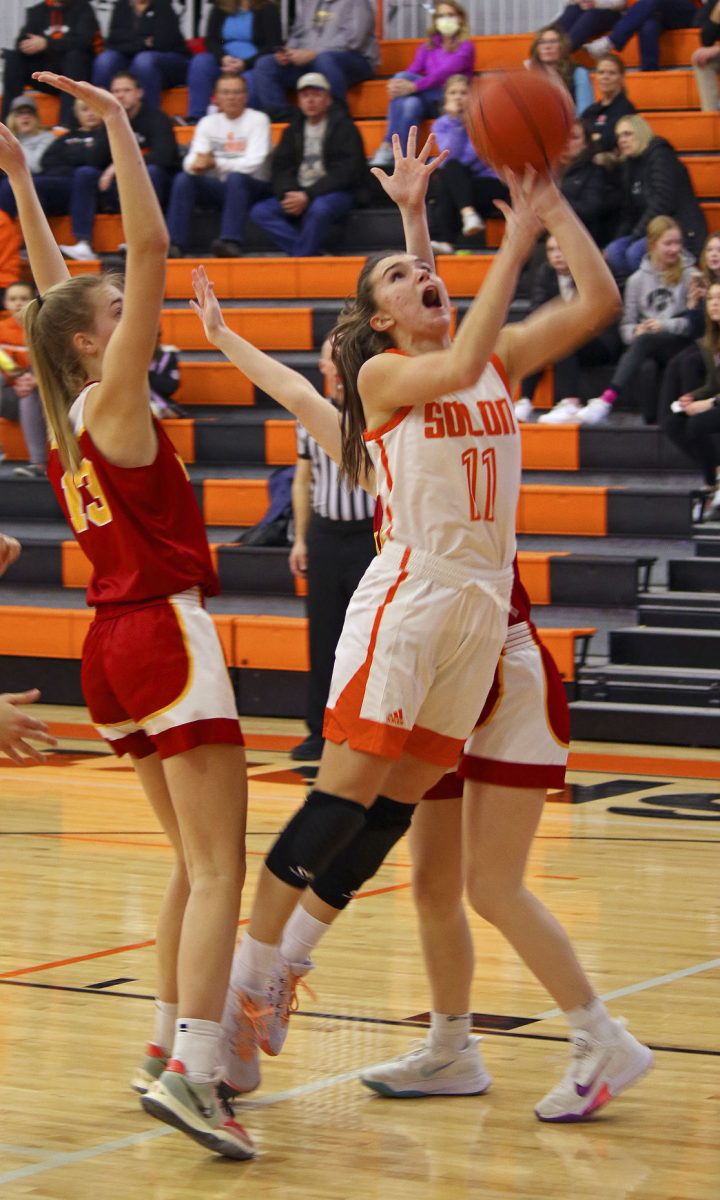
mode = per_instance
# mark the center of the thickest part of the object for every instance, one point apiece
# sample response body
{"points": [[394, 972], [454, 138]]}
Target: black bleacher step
{"points": [[662, 647], [707, 543], [653, 724], [255, 570], [691, 610], [632, 447], [694, 574], [599, 579], [625, 684]]}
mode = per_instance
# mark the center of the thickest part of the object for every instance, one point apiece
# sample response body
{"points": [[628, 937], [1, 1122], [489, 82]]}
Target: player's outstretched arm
{"points": [[288, 387], [46, 262], [407, 187]]}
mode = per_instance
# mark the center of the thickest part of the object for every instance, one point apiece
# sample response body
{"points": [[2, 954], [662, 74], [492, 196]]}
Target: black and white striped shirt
{"points": [[331, 498]]}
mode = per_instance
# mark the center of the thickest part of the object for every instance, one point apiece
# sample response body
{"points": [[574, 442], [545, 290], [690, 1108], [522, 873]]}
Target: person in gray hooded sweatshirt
{"points": [[656, 323]]}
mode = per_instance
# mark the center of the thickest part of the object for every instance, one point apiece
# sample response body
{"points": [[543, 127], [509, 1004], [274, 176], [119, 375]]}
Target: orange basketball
{"points": [[519, 118]]}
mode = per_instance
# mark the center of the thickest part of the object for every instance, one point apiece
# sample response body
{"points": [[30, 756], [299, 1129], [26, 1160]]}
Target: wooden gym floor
{"points": [[630, 867]]}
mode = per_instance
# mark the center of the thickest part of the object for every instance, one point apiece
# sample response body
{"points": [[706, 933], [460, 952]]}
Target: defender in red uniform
{"points": [[153, 671]]}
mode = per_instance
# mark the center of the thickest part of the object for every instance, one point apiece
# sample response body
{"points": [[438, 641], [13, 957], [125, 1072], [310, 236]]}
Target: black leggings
{"points": [[457, 188], [640, 368]]}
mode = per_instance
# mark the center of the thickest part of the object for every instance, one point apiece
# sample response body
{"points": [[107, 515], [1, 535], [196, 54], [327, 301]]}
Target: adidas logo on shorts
{"points": [[395, 718]]}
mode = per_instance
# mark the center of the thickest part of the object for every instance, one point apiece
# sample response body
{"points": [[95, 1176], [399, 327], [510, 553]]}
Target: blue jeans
{"points": [[649, 18], [341, 68], [232, 197], [405, 111], [85, 195], [202, 76], [301, 237], [625, 254], [53, 191], [155, 70], [584, 24]]}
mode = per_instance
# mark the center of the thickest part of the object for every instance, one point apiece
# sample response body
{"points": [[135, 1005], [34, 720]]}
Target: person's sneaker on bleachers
{"points": [[524, 409], [595, 412], [383, 156], [472, 222], [442, 248], [226, 248], [79, 251], [565, 412]]}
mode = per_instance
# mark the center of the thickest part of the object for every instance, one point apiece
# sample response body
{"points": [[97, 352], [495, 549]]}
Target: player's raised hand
{"points": [[408, 184], [205, 305], [98, 99], [12, 158], [523, 224], [9, 551]]}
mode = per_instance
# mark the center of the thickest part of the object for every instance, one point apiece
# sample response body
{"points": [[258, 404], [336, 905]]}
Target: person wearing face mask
{"points": [[417, 93]]}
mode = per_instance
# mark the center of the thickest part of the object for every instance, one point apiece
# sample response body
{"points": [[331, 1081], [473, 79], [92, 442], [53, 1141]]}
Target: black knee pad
{"points": [[387, 821], [311, 839]]}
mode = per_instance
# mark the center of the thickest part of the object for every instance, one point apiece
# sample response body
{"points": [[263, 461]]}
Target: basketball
{"points": [[519, 118]]}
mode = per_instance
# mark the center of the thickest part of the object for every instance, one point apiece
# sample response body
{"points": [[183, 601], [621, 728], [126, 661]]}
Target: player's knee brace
{"points": [[387, 821], [311, 839]]}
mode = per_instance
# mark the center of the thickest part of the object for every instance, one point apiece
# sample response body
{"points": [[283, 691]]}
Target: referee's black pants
{"points": [[339, 553]]}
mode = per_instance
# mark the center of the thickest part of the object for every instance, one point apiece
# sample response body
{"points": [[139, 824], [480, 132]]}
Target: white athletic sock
{"points": [[252, 966], [197, 1046], [164, 1025], [301, 935], [449, 1031], [592, 1017]]}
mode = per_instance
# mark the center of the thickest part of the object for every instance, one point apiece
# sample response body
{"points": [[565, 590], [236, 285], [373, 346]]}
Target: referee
{"points": [[334, 545]]}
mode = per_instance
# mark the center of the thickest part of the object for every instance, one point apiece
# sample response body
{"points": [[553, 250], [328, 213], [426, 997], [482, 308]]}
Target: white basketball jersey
{"points": [[448, 473]]}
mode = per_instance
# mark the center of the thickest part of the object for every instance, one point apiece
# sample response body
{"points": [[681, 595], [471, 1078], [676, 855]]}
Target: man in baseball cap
{"points": [[313, 79]]}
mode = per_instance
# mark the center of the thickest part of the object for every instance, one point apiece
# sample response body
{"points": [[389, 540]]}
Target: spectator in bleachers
{"points": [[706, 60], [317, 173], [335, 39], [164, 377], [144, 37], [584, 183], [614, 103], [550, 52], [417, 93], [225, 169], [19, 387], [691, 418], [94, 185], [648, 19], [552, 280], [653, 181], [655, 325], [465, 188], [589, 19], [24, 122], [686, 371], [56, 35], [238, 33]]}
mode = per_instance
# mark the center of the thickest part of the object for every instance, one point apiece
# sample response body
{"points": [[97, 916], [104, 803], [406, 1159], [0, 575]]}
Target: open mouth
{"points": [[431, 297]]}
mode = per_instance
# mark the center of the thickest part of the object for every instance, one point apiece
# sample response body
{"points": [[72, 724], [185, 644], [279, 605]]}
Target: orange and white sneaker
{"points": [[283, 1000], [244, 1021], [599, 1071], [150, 1069], [197, 1110]]}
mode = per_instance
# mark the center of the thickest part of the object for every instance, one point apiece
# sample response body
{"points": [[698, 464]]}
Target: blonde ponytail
{"points": [[50, 323]]}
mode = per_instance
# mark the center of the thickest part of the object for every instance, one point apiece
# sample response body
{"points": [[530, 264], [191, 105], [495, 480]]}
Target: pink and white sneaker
{"points": [[599, 1071]]}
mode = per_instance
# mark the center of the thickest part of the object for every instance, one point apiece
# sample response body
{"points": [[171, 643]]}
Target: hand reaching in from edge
{"points": [[16, 726], [205, 305]]}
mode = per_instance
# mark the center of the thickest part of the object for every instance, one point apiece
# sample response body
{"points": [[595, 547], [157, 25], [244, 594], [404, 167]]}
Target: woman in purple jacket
{"points": [[417, 93], [466, 187]]}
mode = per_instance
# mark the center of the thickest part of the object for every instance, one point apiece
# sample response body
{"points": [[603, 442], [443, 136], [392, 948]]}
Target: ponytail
{"points": [[50, 322], [354, 341]]}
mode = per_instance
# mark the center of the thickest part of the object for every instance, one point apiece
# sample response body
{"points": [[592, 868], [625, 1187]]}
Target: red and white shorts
{"points": [[154, 679], [521, 738], [416, 656]]}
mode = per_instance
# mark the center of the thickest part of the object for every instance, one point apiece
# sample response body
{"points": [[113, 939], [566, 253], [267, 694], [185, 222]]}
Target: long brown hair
{"points": [[711, 337], [50, 322], [354, 341], [563, 66]]}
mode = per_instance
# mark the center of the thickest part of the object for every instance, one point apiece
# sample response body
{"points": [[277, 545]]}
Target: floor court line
{"points": [[644, 985], [61, 1160]]}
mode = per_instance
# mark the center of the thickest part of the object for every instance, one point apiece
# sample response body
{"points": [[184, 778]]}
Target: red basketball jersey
{"points": [[140, 527]]}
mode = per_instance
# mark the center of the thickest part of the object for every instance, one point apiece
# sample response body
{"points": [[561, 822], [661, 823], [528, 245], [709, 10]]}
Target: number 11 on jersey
{"points": [[471, 460]]}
